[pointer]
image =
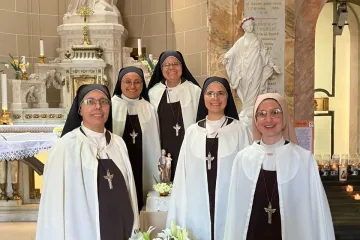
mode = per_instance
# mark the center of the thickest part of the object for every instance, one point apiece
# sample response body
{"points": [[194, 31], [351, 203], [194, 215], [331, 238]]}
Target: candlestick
{"points": [[4, 91], [5, 118], [357, 196], [349, 188], [42, 47], [42, 59], [139, 47]]}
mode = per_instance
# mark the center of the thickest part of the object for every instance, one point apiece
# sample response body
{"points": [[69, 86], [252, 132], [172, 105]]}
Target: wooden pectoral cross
{"points": [[177, 128], [109, 177], [209, 159], [269, 210], [133, 135]]}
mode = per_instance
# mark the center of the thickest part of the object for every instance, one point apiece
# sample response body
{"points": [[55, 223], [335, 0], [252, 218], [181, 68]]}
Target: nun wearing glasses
{"points": [[88, 191], [200, 190], [275, 189], [174, 93], [135, 120]]}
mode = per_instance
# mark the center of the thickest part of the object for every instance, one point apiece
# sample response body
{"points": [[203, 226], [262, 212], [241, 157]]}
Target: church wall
{"points": [[169, 25], [23, 23]]}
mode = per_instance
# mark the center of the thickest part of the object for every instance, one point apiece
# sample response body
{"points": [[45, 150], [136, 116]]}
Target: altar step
{"points": [[21, 213], [345, 210]]}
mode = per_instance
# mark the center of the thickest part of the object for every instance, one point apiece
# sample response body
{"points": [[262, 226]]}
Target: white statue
{"points": [[168, 167], [162, 166], [249, 66], [96, 5]]}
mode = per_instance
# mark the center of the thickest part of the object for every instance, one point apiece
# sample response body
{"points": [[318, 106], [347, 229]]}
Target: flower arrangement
{"points": [[163, 188], [58, 130], [142, 235], [173, 233], [149, 62], [19, 68]]}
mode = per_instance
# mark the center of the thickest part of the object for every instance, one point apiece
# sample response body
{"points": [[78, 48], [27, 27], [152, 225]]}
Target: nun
{"points": [[174, 93], [135, 120], [276, 191], [200, 191], [88, 191]]}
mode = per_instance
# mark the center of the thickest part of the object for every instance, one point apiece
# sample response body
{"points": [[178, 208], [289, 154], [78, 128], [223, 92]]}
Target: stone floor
{"points": [[17, 230]]}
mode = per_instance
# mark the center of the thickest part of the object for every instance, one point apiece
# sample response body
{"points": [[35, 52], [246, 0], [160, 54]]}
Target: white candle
{"points": [[150, 57], [42, 47], [139, 47], [3, 92]]}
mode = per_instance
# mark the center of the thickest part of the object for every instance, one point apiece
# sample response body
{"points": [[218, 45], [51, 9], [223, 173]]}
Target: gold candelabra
{"points": [[5, 118], [140, 58], [84, 12]]}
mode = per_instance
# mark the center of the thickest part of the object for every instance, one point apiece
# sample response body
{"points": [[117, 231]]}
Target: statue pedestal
{"points": [[109, 36]]}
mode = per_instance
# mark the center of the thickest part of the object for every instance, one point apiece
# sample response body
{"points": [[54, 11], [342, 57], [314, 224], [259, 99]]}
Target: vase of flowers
{"points": [[19, 68], [163, 188]]}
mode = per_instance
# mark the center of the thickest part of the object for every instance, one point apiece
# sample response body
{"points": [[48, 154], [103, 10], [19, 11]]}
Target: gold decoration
{"points": [[321, 104], [42, 59], [3, 195], [15, 192], [84, 12], [24, 75], [16, 116], [140, 58], [5, 118]]}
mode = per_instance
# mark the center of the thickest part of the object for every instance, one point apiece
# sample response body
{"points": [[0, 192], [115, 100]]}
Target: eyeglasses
{"points": [[274, 113], [174, 64], [212, 94], [136, 82], [92, 102]]}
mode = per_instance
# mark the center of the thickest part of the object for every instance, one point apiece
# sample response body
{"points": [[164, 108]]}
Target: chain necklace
{"points": [[133, 134], [108, 175], [177, 127], [269, 210], [210, 158]]}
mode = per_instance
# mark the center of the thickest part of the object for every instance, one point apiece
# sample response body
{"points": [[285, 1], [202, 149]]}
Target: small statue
{"points": [[30, 95], [162, 166], [168, 167]]}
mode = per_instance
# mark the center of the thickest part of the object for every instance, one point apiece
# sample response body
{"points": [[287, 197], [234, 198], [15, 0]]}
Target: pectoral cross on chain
{"points": [[209, 159], [109, 177], [270, 212], [133, 135], [177, 128]]}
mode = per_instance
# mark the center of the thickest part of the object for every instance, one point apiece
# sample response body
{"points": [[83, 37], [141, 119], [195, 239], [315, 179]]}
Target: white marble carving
{"points": [[249, 66]]}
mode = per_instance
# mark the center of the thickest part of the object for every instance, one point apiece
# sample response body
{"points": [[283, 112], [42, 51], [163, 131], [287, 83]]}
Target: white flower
{"points": [[58, 129], [7, 65], [163, 187]]}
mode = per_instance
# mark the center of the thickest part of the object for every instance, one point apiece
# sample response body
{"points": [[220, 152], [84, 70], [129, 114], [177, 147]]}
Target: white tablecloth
{"points": [[22, 145]]}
